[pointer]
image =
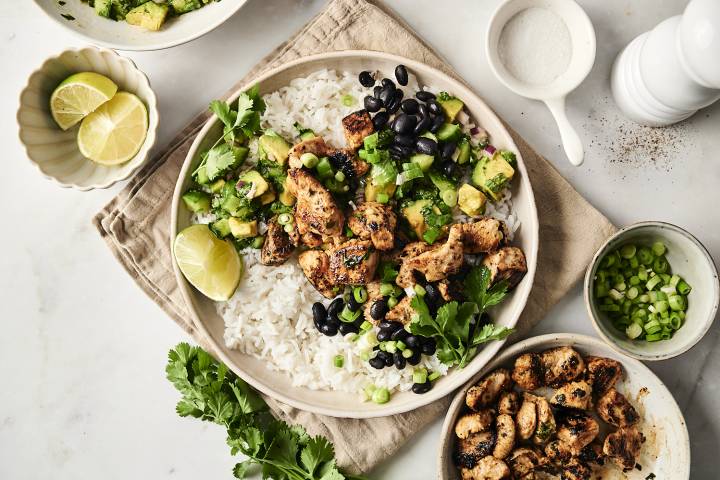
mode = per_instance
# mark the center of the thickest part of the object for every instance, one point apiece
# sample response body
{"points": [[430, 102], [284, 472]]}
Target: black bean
{"points": [[372, 104], [449, 168], [390, 325], [447, 150], [346, 328], [318, 325], [377, 362], [383, 355], [434, 107], [386, 82], [412, 341], [389, 360], [319, 313], [421, 388], [387, 94], [336, 306], [404, 123], [432, 293], [396, 101], [415, 358], [333, 320], [366, 79], [410, 106], [424, 96], [423, 110], [352, 304], [423, 125], [404, 140], [379, 309], [429, 345], [399, 360], [380, 119], [384, 335], [376, 91], [399, 334], [329, 330], [427, 146], [401, 74], [437, 123]]}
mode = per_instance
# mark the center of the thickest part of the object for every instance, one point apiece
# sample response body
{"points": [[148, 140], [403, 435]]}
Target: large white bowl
{"points": [[341, 404], [55, 152], [122, 36], [666, 451]]}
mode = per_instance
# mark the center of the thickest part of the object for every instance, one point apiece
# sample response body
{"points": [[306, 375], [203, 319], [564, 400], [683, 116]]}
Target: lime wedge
{"points": [[78, 95], [114, 132], [212, 265]]}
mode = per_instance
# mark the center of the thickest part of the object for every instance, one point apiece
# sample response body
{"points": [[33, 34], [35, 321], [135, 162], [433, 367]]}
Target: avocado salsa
{"points": [[144, 13]]}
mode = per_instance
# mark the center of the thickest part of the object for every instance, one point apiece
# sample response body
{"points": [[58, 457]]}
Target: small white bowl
{"points": [[55, 152], [689, 259]]}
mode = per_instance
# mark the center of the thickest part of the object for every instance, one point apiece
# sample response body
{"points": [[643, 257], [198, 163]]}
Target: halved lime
{"points": [[114, 132], [78, 95], [212, 265]]}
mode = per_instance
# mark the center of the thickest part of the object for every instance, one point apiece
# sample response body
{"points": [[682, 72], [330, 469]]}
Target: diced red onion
{"points": [[475, 131], [489, 149]]}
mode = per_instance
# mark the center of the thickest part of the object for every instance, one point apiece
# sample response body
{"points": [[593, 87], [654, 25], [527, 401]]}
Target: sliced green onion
{"points": [[348, 316], [653, 282], [340, 176], [677, 302], [660, 265], [400, 345], [407, 353], [632, 293], [633, 331], [360, 294], [661, 306], [339, 361], [600, 290], [391, 302], [674, 280], [433, 376], [675, 321], [419, 375], [324, 168], [683, 287], [627, 251], [285, 219], [620, 287], [381, 395], [653, 337], [258, 242], [645, 255], [658, 248], [419, 290], [289, 228], [348, 100], [365, 326], [668, 289], [634, 280], [387, 290], [634, 262], [615, 295], [382, 198], [390, 347], [609, 308], [642, 275], [309, 160]]}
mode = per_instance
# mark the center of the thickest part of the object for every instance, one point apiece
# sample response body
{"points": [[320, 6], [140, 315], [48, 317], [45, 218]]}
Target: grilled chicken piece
{"points": [[577, 430], [374, 221], [449, 291], [488, 468], [525, 461], [435, 264], [353, 262], [528, 371], [508, 263], [373, 289], [469, 451], [545, 421], [488, 390], [616, 410], [592, 454], [559, 453], [277, 246], [623, 447], [310, 239], [527, 417], [575, 470], [561, 365], [402, 312], [573, 395], [485, 235], [315, 209], [505, 427], [603, 373], [315, 265], [509, 403], [474, 422], [357, 126], [316, 146]]}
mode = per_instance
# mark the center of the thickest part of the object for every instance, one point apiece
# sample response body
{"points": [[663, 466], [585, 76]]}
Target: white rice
{"points": [[269, 316]]}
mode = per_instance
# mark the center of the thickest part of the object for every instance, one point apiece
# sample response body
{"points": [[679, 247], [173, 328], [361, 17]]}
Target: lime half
{"points": [[78, 95], [114, 132], [212, 265]]}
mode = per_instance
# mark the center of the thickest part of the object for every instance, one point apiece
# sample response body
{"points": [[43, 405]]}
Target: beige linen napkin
{"points": [[135, 224]]}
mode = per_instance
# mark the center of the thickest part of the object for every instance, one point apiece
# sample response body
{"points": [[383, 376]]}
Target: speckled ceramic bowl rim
{"points": [[146, 48], [389, 408], [601, 252], [531, 344], [151, 104]]}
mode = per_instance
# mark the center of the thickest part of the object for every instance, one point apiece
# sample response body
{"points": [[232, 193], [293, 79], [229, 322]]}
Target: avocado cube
{"points": [[286, 198], [217, 185], [184, 6], [423, 161], [471, 200], [449, 132], [240, 229], [413, 215], [103, 7], [464, 150], [197, 201], [448, 191], [371, 191], [275, 147], [201, 176], [260, 185], [221, 228], [492, 175], [452, 107], [267, 197], [149, 15]]}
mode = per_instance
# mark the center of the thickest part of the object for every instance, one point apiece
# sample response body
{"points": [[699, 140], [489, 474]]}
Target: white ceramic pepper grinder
{"points": [[669, 73]]}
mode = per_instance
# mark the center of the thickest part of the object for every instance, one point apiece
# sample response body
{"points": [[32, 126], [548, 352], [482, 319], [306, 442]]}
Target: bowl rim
{"points": [[575, 339], [151, 104], [532, 224], [151, 47], [596, 321]]}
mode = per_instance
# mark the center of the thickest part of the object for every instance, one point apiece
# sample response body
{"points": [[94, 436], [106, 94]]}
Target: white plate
{"points": [[122, 36], [666, 451], [341, 404]]}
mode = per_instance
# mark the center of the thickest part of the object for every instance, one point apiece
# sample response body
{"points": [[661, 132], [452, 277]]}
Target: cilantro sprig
{"points": [[457, 327], [211, 392]]}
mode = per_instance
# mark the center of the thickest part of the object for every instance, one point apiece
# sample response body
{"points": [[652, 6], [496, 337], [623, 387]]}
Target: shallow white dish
{"points": [[122, 36], [55, 152], [341, 404], [666, 451], [689, 259]]}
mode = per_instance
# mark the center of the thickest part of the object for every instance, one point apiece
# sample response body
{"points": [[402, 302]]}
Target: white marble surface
{"points": [[82, 352]]}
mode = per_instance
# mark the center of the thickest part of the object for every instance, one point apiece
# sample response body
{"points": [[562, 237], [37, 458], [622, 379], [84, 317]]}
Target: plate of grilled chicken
{"points": [[564, 406]]}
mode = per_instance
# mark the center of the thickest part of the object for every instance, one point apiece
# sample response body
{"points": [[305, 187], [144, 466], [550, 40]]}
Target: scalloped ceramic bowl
{"points": [[55, 152], [103, 31]]}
